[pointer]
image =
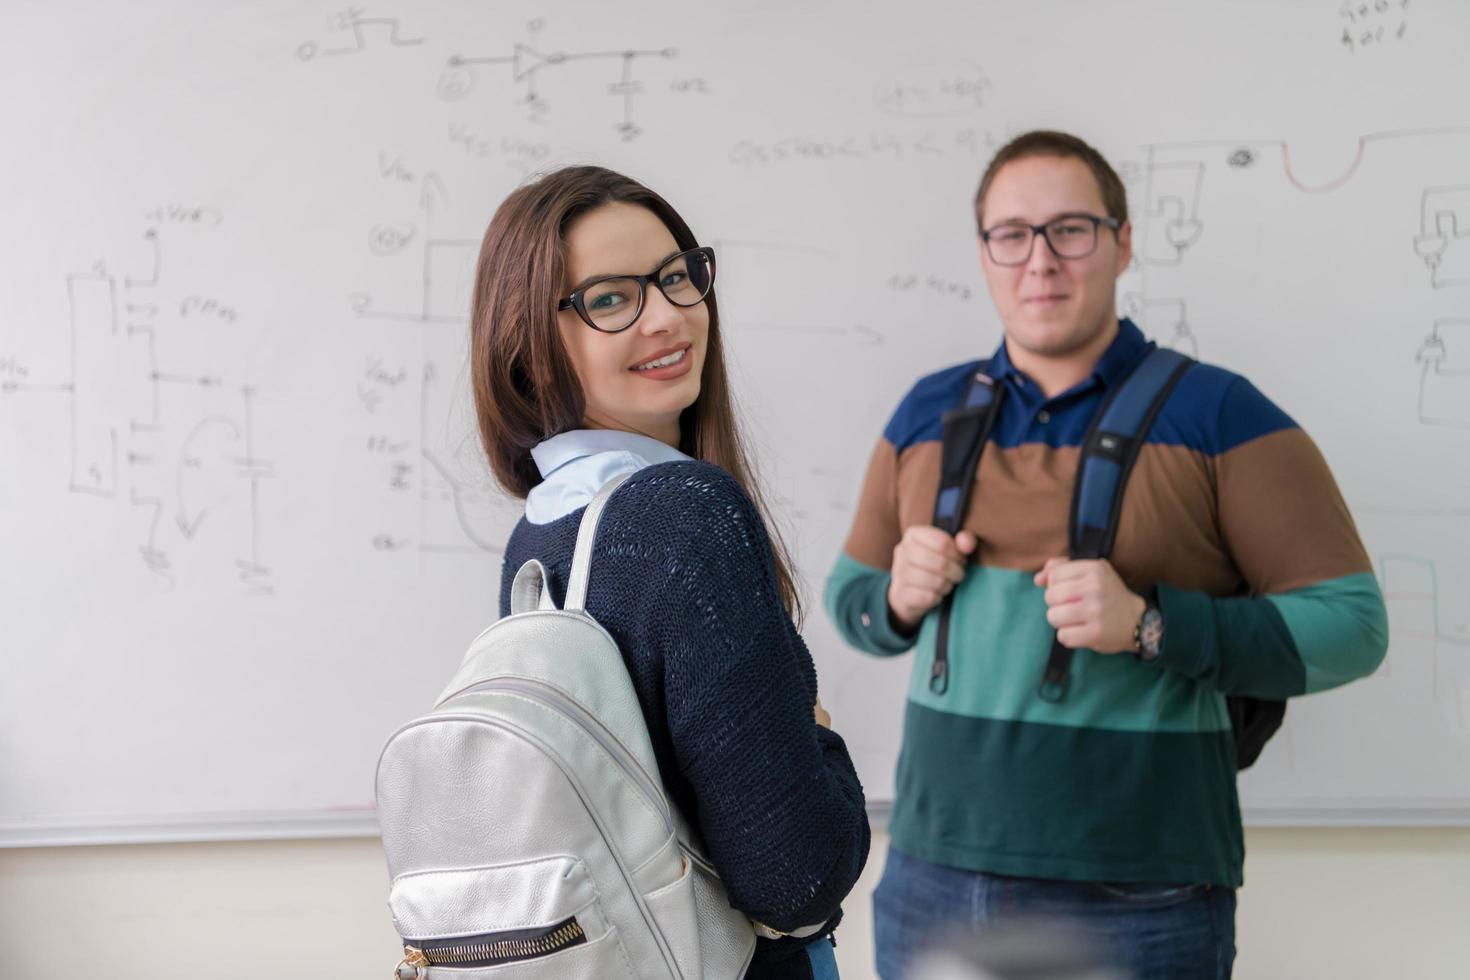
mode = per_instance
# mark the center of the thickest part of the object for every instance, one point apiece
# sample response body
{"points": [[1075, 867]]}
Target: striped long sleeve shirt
{"points": [[1266, 590]]}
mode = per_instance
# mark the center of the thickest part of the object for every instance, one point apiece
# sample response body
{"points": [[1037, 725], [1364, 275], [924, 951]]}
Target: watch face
{"points": [[1151, 632]]}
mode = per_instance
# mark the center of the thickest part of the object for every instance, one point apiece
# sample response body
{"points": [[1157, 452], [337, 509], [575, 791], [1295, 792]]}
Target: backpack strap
{"points": [[531, 588], [1108, 454], [586, 536], [965, 429]]}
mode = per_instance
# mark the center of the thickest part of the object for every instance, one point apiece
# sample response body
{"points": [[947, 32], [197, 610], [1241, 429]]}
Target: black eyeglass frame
{"points": [[1040, 230], [578, 300]]}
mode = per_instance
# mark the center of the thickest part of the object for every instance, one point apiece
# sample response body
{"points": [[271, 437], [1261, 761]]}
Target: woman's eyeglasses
{"points": [[612, 303]]}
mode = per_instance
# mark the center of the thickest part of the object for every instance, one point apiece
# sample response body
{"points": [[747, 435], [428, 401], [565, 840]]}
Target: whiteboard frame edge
{"points": [[195, 829], [314, 825]]}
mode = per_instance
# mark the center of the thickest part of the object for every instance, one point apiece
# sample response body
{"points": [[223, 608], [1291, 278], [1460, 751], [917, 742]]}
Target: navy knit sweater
{"points": [[684, 580]]}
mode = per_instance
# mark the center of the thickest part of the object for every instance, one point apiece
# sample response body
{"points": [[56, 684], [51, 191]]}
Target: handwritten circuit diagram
{"points": [[173, 444]]}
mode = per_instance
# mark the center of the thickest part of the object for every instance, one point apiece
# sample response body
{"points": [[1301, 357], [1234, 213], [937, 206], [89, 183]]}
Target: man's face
{"points": [[1050, 306]]}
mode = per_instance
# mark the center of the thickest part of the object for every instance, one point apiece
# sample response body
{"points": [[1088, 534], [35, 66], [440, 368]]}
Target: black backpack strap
{"points": [[1108, 454], [965, 429]]}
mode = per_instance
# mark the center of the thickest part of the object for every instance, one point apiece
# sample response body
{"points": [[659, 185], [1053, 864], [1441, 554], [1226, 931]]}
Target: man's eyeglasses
{"points": [[1072, 236], [612, 303]]}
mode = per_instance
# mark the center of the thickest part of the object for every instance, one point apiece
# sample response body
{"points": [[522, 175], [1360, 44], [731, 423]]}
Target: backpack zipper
{"points": [[515, 728], [556, 700], [562, 704], [490, 948]]}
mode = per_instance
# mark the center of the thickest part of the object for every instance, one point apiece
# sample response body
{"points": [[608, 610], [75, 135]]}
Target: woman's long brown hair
{"points": [[526, 389]]}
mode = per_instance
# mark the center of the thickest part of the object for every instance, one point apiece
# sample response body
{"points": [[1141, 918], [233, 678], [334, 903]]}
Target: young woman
{"points": [[596, 352]]}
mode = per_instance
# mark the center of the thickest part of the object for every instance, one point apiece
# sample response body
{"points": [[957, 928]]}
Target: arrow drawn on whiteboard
{"points": [[12, 387], [203, 380], [151, 236], [866, 336], [432, 191], [187, 461]]}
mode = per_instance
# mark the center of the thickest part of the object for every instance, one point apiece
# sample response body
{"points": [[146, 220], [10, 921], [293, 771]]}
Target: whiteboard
{"points": [[247, 527]]}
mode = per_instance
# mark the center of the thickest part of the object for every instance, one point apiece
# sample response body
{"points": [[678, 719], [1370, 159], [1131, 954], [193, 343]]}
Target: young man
{"points": [[1236, 571]]}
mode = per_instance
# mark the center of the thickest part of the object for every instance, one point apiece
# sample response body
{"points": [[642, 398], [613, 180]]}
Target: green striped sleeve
{"points": [[1277, 646], [856, 598], [1340, 628]]}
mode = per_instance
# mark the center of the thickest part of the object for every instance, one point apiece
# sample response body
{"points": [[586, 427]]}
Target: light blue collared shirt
{"points": [[576, 464]]}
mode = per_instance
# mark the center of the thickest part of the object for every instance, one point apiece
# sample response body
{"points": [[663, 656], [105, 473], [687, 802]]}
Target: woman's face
{"points": [[622, 390]]}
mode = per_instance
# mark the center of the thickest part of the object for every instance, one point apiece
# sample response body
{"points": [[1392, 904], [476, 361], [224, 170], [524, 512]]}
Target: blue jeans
{"points": [[1153, 931]]}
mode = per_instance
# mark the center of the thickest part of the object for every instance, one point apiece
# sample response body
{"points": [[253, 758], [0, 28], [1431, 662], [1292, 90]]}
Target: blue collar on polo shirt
{"points": [[1125, 350], [574, 466]]}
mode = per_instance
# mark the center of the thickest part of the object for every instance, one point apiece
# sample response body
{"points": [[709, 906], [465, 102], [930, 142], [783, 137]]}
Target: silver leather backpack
{"points": [[527, 833]]}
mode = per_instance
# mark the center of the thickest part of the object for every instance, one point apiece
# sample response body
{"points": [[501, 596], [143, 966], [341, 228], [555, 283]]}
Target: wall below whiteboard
{"points": [[1359, 904]]}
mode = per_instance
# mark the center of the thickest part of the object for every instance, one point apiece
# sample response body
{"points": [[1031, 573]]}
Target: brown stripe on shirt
{"points": [[1022, 502], [1168, 530], [1278, 489], [875, 528]]}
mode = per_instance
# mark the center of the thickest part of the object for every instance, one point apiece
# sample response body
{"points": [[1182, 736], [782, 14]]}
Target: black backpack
{"points": [[1108, 454]]}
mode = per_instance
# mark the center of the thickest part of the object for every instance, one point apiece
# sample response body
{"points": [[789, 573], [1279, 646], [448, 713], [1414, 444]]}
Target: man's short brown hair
{"points": [[1050, 143]]}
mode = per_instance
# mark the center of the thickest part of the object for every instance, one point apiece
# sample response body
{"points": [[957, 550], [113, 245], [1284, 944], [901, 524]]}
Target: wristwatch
{"points": [[1148, 635]]}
